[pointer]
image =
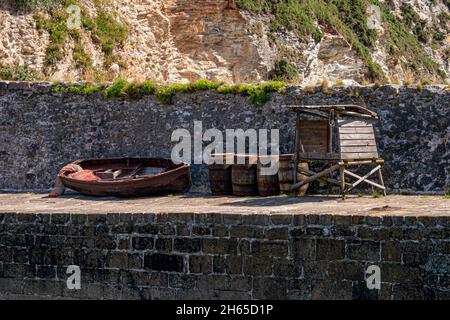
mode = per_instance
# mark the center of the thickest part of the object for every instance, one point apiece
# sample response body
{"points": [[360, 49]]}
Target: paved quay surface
{"points": [[200, 203]]}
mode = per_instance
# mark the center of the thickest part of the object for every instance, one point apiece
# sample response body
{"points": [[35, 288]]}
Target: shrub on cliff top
{"points": [[117, 89], [18, 73], [28, 5], [257, 95]]}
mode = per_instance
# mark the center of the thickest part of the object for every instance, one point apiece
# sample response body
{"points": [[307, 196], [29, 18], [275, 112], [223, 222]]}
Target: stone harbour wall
{"points": [[41, 130], [223, 256]]}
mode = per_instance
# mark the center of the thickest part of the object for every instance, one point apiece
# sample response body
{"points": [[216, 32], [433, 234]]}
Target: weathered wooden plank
{"points": [[315, 177], [364, 179], [325, 179], [353, 136], [354, 123], [358, 149], [357, 142], [359, 155], [356, 130], [360, 162]]}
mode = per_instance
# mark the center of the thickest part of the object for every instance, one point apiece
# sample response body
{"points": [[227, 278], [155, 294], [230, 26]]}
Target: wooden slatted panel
{"points": [[319, 155], [314, 135], [357, 140], [356, 136], [358, 149], [354, 123], [363, 130], [359, 156]]}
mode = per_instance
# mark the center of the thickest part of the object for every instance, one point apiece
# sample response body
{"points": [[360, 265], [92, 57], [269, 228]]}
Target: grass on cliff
{"points": [[104, 29], [349, 18], [29, 5], [18, 73], [306, 17]]}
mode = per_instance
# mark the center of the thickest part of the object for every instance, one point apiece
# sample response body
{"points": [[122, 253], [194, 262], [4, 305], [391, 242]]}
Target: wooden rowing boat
{"points": [[126, 177]]}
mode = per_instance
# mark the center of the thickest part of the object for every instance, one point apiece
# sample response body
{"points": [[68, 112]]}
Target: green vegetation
{"points": [[165, 93], [29, 5], [377, 194], [18, 73], [83, 88], [447, 194], [284, 71], [109, 33], [349, 19], [105, 30], [258, 95], [406, 44], [117, 89], [325, 86], [305, 17]]}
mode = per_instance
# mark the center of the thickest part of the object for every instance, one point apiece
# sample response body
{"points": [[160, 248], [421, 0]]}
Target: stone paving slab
{"points": [[200, 203]]}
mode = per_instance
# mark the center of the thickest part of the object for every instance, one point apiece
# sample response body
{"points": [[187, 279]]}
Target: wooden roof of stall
{"points": [[323, 111]]}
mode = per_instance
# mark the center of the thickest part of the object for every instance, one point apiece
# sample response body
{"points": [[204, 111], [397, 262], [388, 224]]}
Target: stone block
{"points": [[200, 264], [142, 243], [117, 259], [164, 262], [330, 249], [200, 231], [184, 281], [269, 288], [391, 251], [244, 231], [281, 219], [255, 219], [189, 245], [364, 251], [269, 248], [276, 233], [329, 290], [304, 249], [220, 246], [163, 244], [220, 231]]}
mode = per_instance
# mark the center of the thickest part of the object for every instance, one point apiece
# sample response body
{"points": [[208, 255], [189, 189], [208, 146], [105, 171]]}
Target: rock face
{"points": [[183, 40], [40, 130]]}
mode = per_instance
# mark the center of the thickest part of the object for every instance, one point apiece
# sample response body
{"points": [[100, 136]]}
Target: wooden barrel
{"points": [[268, 185], [243, 176], [286, 174], [220, 175]]}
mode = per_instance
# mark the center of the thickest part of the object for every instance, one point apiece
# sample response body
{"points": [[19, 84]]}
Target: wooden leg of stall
{"points": [[342, 180], [380, 175]]}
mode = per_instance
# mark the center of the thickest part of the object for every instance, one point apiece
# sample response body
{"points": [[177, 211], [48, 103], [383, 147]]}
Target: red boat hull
{"points": [[175, 179]]}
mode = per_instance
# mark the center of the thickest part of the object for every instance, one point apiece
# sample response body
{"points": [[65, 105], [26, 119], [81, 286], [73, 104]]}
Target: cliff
{"points": [[226, 40]]}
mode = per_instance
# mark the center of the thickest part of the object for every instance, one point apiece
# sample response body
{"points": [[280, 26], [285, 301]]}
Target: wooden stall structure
{"points": [[340, 137]]}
